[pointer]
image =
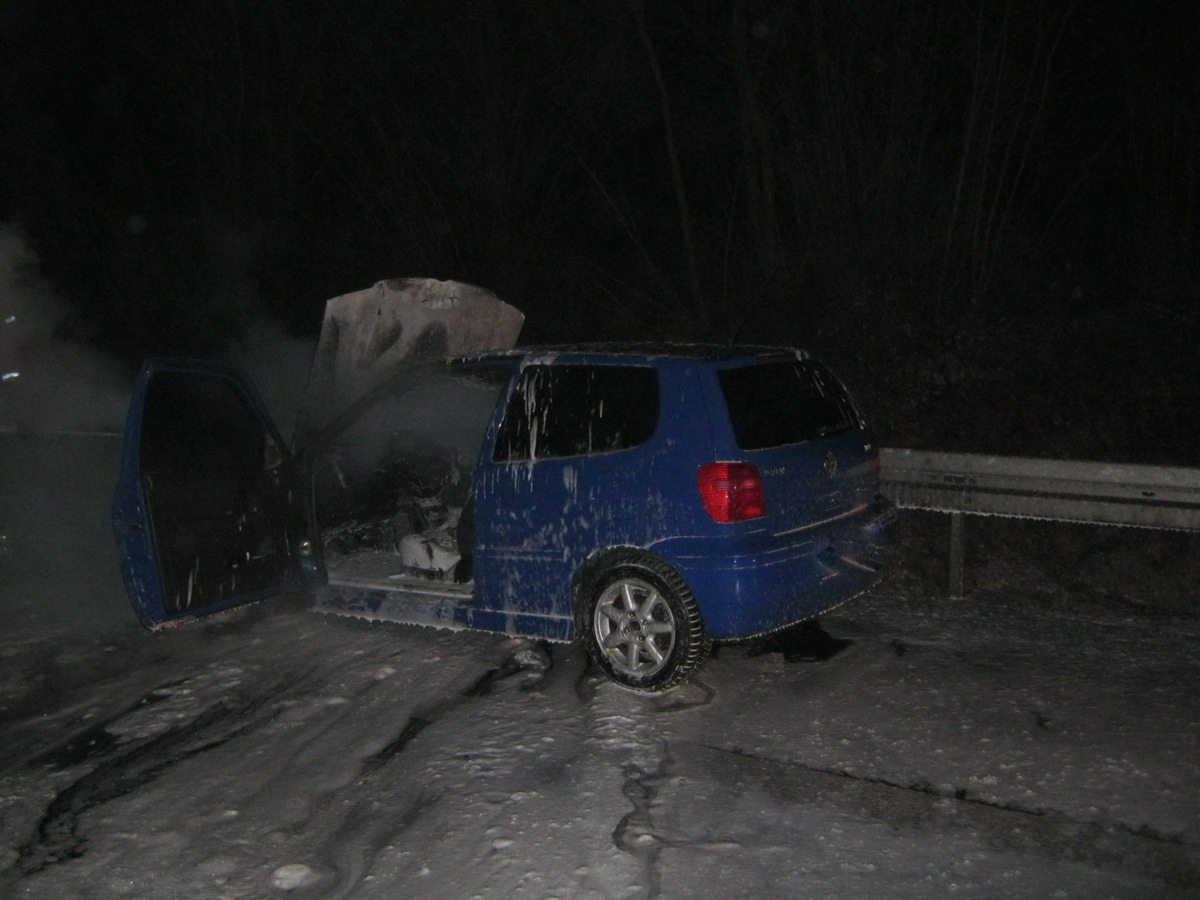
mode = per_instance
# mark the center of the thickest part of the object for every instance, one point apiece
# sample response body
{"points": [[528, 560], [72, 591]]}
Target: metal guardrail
{"points": [[964, 484]]}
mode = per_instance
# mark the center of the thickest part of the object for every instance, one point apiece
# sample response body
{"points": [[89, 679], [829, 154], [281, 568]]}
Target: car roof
{"points": [[641, 353]]}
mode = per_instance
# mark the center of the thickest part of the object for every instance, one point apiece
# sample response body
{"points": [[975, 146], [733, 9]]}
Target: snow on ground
{"points": [[954, 748]]}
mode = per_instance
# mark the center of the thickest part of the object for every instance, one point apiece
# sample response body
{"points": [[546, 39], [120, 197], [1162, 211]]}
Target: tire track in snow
{"points": [[534, 659], [361, 833], [636, 833], [128, 751], [1007, 828], [627, 725]]}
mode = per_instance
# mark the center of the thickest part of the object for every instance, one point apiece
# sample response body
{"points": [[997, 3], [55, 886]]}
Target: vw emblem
{"points": [[830, 464]]}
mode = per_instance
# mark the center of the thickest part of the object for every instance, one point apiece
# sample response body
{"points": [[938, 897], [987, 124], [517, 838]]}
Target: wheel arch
{"points": [[593, 568]]}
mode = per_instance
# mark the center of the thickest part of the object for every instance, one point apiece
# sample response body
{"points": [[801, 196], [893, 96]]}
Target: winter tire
{"points": [[643, 627]]}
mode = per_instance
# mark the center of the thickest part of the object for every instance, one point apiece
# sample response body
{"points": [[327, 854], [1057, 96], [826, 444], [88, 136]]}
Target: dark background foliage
{"points": [[981, 212]]}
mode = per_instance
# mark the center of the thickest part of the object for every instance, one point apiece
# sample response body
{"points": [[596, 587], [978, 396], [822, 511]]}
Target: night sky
{"points": [[983, 214]]}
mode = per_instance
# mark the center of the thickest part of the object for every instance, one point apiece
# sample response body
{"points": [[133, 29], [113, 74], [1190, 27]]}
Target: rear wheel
{"points": [[643, 626]]}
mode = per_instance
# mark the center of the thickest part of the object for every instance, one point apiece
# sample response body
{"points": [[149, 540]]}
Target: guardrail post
{"points": [[957, 554]]}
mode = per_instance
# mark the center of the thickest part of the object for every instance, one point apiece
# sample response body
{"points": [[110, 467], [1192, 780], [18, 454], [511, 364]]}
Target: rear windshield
{"points": [[785, 403]]}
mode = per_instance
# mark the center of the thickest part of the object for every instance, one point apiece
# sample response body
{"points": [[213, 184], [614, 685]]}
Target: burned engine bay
{"points": [[392, 477]]}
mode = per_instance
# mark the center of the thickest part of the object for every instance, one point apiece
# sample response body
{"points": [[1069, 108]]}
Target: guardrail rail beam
{"points": [[1135, 496]]}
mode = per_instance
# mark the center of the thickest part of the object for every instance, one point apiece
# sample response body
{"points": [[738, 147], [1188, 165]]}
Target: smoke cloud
{"points": [[62, 413], [62, 405], [51, 381]]}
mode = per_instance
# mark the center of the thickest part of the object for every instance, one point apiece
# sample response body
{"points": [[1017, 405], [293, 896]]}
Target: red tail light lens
{"points": [[732, 491]]}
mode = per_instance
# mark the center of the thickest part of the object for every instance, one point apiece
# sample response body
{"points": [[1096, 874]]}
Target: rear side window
{"points": [[785, 403], [571, 410]]}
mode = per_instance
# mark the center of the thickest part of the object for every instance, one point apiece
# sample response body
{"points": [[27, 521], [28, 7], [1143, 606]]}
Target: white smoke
{"points": [[50, 381], [62, 412], [62, 407], [278, 366]]}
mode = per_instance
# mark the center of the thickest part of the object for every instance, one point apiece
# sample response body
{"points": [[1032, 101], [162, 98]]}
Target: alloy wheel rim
{"points": [[634, 627]]}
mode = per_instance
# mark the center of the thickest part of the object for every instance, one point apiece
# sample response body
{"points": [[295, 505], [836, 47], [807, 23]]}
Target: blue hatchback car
{"points": [[649, 500]]}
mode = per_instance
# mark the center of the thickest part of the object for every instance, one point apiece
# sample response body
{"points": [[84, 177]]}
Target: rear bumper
{"points": [[770, 582]]}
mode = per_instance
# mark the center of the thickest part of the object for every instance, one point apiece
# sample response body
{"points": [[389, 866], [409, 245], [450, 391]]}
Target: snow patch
{"points": [[292, 876]]}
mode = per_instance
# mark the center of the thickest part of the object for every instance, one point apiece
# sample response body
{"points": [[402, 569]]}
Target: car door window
{"points": [[571, 410], [210, 477]]}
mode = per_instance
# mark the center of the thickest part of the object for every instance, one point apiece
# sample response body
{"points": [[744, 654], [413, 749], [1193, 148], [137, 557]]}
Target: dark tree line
{"points": [[982, 211]]}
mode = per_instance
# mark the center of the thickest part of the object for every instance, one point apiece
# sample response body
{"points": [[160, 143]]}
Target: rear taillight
{"points": [[731, 491]]}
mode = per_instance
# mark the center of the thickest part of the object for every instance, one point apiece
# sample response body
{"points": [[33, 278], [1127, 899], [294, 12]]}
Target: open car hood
{"points": [[367, 335]]}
